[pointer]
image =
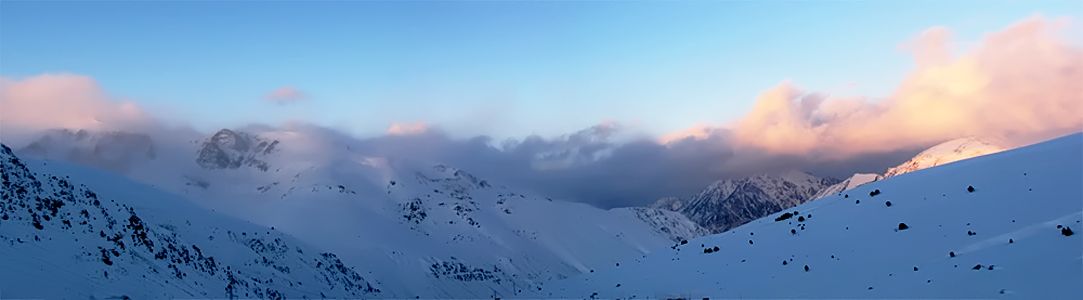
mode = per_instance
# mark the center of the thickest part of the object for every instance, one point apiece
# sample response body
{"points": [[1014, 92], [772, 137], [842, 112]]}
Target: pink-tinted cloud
{"points": [[285, 95], [407, 128], [63, 101], [1019, 85], [698, 132]]}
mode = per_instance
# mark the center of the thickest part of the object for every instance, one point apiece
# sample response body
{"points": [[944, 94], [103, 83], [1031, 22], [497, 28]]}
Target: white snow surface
{"points": [[1007, 228], [848, 184], [944, 153]]}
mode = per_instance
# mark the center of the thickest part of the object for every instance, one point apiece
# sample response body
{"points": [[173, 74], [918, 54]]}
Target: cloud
{"points": [[407, 128], [1019, 85], [64, 101], [285, 95]]}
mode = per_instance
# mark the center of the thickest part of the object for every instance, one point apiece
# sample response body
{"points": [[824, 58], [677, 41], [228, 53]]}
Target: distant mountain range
{"points": [[405, 229], [730, 203]]}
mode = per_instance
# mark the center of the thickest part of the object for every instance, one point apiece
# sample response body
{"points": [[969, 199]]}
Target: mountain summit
{"points": [[228, 149], [944, 153], [729, 203]]}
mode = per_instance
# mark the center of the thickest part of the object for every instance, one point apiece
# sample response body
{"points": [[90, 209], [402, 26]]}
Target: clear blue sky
{"points": [[499, 68]]}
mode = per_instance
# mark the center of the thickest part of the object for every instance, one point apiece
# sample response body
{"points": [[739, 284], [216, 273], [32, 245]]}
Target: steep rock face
{"points": [[729, 203], [129, 240], [228, 149], [112, 150], [944, 153]]}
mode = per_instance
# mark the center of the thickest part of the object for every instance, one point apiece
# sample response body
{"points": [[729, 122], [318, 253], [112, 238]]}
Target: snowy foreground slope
{"points": [[69, 232], [1015, 235], [939, 154]]}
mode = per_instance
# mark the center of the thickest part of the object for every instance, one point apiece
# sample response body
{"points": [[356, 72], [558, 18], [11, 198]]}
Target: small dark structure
{"points": [[903, 226], [873, 193], [970, 189]]}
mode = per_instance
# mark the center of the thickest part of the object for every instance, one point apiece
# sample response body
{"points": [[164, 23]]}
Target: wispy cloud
{"points": [[285, 95], [407, 128]]}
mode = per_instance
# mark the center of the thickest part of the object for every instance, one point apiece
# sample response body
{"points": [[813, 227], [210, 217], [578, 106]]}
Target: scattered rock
{"points": [[976, 267], [903, 226], [874, 193], [784, 216], [970, 189], [951, 254], [806, 268], [1066, 231], [888, 203]]}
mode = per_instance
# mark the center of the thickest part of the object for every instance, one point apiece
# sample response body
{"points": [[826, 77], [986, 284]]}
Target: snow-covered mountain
{"points": [[228, 149], [72, 232], [944, 153], [1000, 225], [729, 203], [940, 154], [848, 184], [115, 150], [425, 230]]}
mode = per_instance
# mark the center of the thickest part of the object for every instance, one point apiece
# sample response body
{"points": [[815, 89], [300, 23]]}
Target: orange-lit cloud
{"points": [[64, 101], [285, 95], [407, 128], [1019, 85], [698, 132]]}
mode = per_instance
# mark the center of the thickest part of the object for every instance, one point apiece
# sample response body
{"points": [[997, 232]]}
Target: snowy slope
{"points": [[70, 232], [944, 153], [1004, 239], [428, 230], [848, 184]]}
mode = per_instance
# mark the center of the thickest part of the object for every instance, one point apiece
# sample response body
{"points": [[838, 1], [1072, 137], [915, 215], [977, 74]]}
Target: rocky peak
{"points": [[229, 149], [729, 203]]}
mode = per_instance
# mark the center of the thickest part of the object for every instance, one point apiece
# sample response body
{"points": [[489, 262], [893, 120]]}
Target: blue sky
{"points": [[499, 68]]}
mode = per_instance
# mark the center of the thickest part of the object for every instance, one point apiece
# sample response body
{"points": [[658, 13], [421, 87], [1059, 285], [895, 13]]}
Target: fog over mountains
{"points": [[344, 224]]}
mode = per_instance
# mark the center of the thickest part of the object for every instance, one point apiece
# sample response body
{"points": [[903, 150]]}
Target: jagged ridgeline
{"points": [[145, 244]]}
